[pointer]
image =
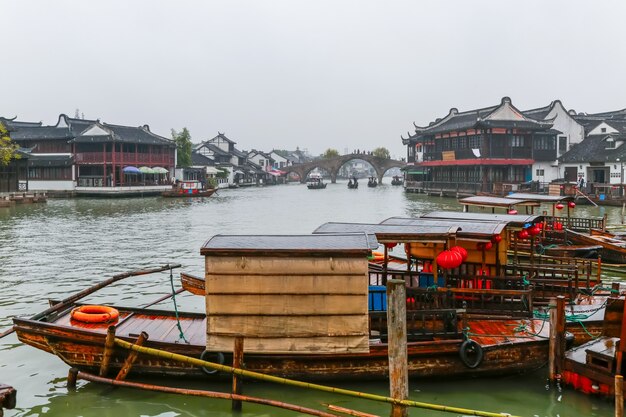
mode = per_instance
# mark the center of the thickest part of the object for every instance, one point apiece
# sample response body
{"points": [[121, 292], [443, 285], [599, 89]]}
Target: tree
{"points": [[183, 147], [382, 153], [330, 153], [8, 149]]}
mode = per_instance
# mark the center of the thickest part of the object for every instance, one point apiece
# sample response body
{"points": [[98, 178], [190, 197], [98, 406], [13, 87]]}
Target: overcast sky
{"points": [[313, 74]]}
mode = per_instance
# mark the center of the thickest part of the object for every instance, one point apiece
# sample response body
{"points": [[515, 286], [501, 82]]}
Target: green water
{"points": [[51, 251]]}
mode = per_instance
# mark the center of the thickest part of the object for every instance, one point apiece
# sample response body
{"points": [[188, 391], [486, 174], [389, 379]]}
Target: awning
{"points": [[146, 170], [160, 170], [131, 170]]}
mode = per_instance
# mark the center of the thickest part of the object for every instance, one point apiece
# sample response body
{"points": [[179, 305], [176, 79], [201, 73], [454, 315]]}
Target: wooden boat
{"points": [[397, 180], [372, 182], [592, 367], [353, 183], [189, 189], [576, 251], [305, 310], [315, 182], [613, 247]]}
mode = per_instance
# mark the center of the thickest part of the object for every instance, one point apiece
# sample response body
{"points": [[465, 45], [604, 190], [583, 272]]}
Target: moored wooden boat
{"points": [[613, 247], [189, 189]]}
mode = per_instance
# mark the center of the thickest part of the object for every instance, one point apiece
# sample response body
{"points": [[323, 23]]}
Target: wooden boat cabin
{"points": [[486, 204], [288, 294], [189, 188]]}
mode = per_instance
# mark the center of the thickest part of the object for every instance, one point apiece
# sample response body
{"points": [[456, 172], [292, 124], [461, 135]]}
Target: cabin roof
{"points": [[468, 228], [542, 198], [346, 244], [513, 219], [488, 201], [393, 233]]}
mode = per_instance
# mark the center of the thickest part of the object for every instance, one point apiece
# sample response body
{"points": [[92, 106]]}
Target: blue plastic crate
{"points": [[377, 298]]}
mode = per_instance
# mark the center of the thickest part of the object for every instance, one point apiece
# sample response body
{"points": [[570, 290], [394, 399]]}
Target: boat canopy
{"points": [[346, 244], [510, 219], [541, 198], [390, 233], [503, 202], [482, 230]]}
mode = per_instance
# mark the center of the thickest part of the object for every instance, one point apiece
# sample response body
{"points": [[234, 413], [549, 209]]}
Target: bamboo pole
{"points": [[237, 364], [109, 346], [397, 350], [75, 297], [619, 396], [285, 381], [201, 393], [132, 356], [348, 411]]}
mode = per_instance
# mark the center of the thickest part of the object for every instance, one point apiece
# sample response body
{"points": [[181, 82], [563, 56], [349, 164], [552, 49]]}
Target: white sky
{"points": [[313, 74]]}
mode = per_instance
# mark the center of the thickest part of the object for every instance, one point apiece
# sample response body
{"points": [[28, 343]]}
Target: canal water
{"points": [[53, 250]]}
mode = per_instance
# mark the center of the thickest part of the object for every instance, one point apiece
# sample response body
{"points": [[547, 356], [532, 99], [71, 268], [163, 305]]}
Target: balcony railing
{"points": [[124, 158]]}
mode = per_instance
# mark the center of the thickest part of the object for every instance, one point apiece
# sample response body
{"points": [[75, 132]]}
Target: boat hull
{"points": [[610, 252], [82, 346], [183, 194]]}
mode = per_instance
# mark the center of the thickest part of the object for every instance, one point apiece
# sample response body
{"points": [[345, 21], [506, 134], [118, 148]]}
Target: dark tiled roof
{"points": [[41, 132], [467, 227], [239, 154], [12, 123], [199, 159], [593, 149], [484, 117], [126, 134], [216, 149], [538, 113], [222, 136]]}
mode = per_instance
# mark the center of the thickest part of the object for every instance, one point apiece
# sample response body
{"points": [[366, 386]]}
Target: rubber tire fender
{"points": [[219, 359], [470, 346]]}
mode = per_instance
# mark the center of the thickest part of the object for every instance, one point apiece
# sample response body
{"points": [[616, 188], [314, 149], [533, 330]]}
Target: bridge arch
{"points": [[333, 165]]}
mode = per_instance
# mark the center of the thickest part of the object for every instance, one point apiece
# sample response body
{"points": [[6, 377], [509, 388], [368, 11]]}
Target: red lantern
{"points": [[571, 204], [523, 234], [449, 259], [534, 231], [512, 211], [558, 226], [461, 250], [488, 245], [539, 225], [559, 206], [496, 239], [390, 245]]}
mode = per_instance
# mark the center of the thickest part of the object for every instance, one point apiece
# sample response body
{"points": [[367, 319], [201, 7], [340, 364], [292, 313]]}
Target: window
{"points": [[603, 129], [540, 172], [610, 143], [517, 141], [562, 144]]}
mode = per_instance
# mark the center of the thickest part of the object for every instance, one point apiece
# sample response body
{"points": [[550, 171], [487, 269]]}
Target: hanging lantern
{"points": [[512, 211], [461, 250], [496, 239], [523, 234], [449, 259], [571, 204], [539, 225], [488, 245], [558, 226], [534, 231], [390, 245], [559, 206]]}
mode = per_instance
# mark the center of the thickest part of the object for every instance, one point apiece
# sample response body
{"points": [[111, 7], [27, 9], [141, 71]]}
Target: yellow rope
{"points": [[291, 382]]}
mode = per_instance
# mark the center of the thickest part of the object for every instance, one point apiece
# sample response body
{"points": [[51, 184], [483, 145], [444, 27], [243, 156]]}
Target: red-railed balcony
{"points": [[124, 158]]}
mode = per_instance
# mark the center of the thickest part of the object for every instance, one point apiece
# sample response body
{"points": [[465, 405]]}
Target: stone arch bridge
{"points": [[333, 165]]}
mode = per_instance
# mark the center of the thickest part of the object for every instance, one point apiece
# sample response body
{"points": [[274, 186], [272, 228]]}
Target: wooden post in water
{"points": [[397, 348], [132, 356], [557, 336], [109, 345], [72, 376], [619, 396], [238, 364], [8, 397]]}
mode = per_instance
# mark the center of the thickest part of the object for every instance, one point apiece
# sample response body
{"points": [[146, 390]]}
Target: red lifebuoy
{"points": [[95, 314]]}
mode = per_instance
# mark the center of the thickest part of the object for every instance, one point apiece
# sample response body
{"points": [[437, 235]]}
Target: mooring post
{"points": [[72, 375], [237, 364], [109, 345], [397, 348], [619, 396], [557, 336]]}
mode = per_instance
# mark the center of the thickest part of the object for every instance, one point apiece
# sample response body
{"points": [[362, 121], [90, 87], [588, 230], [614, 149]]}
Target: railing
{"points": [[124, 158], [420, 325], [583, 224]]}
